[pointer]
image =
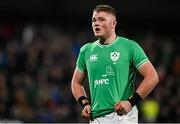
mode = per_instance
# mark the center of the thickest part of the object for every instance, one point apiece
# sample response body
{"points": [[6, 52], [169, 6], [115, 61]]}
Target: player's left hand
{"points": [[122, 107]]}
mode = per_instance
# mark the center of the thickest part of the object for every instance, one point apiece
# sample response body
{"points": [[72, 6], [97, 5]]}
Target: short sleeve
{"points": [[138, 56], [81, 63]]}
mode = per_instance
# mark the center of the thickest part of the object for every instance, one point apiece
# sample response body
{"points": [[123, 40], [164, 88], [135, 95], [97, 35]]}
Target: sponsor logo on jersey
{"points": [[101, 82], [115, 56], [93, 57]]}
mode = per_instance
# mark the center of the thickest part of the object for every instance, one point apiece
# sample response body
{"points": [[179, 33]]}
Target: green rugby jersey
{"points": [[111, 72]]}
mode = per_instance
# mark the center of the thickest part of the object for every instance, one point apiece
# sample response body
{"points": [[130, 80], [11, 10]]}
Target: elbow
{"points": [[72, 87], [155, 78]]}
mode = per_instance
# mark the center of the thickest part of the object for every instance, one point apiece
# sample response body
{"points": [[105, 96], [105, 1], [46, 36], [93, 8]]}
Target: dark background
{"points": [[40, 42], [163, 12]]}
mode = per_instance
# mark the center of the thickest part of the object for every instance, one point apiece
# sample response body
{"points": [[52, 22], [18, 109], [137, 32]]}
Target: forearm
{"points": [[77, 90], [77, 84], [80, 94], [146, 86]]}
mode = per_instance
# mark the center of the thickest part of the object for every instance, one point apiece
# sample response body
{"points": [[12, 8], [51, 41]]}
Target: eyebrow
{"points": [[97, 17]]}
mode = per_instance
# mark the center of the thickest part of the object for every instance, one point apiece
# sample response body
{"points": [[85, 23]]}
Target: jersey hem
{"points": [[102, 115]]}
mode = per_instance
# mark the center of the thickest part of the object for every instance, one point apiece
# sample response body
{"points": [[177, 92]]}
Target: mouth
{"points": [[97, 29]]}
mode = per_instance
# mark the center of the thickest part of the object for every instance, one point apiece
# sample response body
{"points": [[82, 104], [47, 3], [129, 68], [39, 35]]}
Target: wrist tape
{"points": [[83, 101], [134, 99]]}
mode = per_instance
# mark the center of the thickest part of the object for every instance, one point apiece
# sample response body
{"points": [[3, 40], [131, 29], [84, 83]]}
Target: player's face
{"points": [[103, 24]]}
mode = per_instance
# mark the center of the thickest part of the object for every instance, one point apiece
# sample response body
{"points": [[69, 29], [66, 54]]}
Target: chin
{"points": [[98, 35]]}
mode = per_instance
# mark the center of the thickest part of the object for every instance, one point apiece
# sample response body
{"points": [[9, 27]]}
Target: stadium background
{"points": [[40, 41]]}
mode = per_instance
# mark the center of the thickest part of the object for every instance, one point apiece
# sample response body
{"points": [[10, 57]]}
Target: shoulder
{"points": [[128, 41], [87, 46]]}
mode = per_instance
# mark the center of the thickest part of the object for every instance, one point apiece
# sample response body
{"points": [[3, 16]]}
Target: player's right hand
{"points": [[86, 112]]}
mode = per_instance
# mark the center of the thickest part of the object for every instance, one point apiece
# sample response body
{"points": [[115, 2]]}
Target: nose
{"points": [[95, 23]]}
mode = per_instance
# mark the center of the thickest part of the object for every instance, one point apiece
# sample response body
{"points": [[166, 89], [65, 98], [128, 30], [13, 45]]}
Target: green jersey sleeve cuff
{"points": [[141, 63], [81, 70]]}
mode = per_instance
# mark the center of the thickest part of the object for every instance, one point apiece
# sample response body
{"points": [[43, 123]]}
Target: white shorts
{"points": [[112, 118]]}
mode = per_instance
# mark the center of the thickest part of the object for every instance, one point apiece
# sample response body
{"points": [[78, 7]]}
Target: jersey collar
{"points": [[107, 45]]}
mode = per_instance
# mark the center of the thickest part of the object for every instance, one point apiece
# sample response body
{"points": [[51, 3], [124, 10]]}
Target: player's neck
{"points": [[108, 40]]}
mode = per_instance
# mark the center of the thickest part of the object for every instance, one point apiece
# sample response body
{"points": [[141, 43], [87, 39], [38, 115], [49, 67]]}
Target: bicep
{"points": [[78, 77], [147, 70]]}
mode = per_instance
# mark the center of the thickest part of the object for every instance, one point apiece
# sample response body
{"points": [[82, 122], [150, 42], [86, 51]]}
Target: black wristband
{"points": [[80, 100], [134, 99]]}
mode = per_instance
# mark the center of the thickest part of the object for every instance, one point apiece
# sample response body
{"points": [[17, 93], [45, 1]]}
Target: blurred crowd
{"points": [[37, 63]]}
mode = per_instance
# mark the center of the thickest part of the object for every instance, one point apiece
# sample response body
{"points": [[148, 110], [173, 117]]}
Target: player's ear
{"points": [[114, 23]]}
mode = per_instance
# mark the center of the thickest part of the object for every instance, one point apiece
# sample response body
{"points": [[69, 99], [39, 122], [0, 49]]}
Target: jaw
{"points": [[98, 34]]}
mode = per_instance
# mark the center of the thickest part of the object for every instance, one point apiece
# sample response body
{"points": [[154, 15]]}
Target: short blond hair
{"points": [[105, 8]]}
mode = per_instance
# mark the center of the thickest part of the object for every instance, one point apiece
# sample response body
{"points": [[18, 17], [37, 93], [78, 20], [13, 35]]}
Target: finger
{"points": [[88, 111], [121, 111], [118, 106], [85, 113]]}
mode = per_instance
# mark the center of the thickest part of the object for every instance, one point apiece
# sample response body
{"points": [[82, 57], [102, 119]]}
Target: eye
{"points": [[101, 19], [93, 20]]}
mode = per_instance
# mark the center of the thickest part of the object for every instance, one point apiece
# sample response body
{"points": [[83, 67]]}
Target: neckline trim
{"points": [[107, 45]]}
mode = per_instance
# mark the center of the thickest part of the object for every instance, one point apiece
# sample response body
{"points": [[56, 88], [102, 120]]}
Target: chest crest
{"points": [[114, 56]]}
